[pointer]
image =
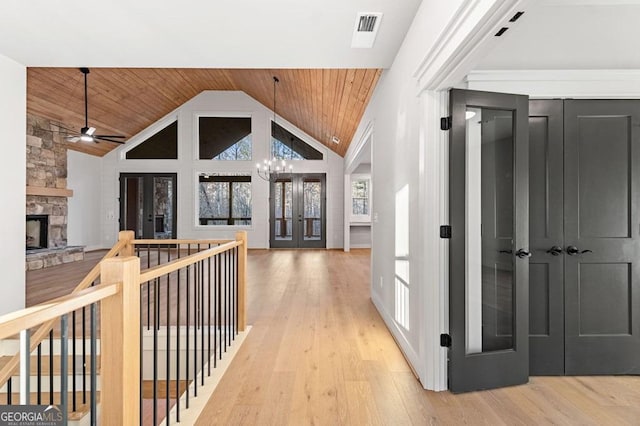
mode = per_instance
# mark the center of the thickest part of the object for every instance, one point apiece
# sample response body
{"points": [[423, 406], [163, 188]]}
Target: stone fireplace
{"points": [[47, 197]]}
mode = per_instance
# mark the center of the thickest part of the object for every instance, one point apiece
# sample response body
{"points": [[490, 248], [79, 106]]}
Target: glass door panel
{"points": [[489, 228], [312, 199], [283, 218], [148, 204], [297, 209]]}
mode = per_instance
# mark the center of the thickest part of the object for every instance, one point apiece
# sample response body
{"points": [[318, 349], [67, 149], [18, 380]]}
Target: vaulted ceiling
{"points": [[322, 102]]}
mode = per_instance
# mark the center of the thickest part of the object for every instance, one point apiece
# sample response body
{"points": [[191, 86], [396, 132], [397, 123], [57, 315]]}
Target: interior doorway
{"points": [[148, 204], [297, 205]]}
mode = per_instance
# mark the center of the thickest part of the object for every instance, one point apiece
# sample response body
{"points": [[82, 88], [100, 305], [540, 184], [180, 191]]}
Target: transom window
{"points": [[224, 200], [224, 138]]}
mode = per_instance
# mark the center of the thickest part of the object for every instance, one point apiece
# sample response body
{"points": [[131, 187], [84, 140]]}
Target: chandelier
{"points": [[271, 168]]}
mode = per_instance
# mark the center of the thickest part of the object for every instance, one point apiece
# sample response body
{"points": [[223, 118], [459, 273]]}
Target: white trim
{"points": [[586, 84], [434, 203], [352, 157], [361, 246], [467, 37]]}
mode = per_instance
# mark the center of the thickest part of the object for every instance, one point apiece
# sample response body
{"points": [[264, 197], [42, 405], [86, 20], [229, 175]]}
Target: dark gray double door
{"points": [[584, 188], [544, 274]]}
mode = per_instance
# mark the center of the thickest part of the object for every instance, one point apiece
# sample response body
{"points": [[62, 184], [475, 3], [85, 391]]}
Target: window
{"points": [[163, 145], [224, 200], [286, 146], [224, 138], [360, 194]]}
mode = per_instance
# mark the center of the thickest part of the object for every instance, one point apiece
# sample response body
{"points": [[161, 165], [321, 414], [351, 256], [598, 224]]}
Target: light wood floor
{"points": [[320, 354]]}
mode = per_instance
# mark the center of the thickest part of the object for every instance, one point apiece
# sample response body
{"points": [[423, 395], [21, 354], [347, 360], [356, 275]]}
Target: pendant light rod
{"points": [[275, 82], [85, 71]]}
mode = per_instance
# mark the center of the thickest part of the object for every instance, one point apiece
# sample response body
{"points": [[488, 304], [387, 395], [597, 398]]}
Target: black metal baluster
{"points": [[73, 362], [168, 350], [148, 288], [84, 354], [51, 367], [93, 342], [9, 392], [156, 294], [188, 320], [64, 367], [202, 328], [196, 282], [141, 403], [215, 315], [209, 312], [234, 274], [178, 333], [219, 290], [227, 286], [39, 383]]}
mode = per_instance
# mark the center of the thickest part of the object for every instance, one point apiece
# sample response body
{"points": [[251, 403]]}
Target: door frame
{"points": [[148, 176]]}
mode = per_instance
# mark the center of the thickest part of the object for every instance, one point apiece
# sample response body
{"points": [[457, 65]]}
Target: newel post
{"points": [[120, 343], [127, 237], [242, 279]]}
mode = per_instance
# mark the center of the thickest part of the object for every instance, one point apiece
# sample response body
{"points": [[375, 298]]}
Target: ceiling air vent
{"points": [[366, 29]]}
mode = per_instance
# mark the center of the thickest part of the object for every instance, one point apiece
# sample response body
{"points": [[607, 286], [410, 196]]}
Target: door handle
{"points": [[555, 251], [573, 250], [522, 253]]}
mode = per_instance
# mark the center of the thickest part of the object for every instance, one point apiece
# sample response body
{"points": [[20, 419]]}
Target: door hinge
{"points": [[445, 231], [445, 340], [445, 123]]}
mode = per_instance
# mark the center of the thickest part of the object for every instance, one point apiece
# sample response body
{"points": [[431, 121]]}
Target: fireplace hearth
{"points": [[37, 232]]}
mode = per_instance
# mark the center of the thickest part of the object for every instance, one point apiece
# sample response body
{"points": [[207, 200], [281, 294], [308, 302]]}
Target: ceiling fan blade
{"points": [[72, 139], [110, 136], [91, 131], [102, 138]]}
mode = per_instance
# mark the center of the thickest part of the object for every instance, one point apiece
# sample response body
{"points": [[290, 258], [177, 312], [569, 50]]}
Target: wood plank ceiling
{"points": [[322, 102]]}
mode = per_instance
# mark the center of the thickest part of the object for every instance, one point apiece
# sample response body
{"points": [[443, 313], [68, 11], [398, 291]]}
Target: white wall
{"points": [[444, 43], [187, 168], [84, 219], [394, 112], [13, 89]]}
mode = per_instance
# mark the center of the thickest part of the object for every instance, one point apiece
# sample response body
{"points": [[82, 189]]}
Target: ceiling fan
{"points": [[87, 134]]}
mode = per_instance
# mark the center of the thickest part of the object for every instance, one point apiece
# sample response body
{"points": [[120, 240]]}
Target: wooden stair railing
{"points": [[11, 367]]}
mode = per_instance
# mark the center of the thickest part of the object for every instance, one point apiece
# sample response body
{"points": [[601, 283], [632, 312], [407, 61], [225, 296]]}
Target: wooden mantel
{"points": [[49, 192]]}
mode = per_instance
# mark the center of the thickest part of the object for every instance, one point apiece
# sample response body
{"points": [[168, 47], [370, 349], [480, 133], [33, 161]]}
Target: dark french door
{"points": [[297, 206], [489, 253], [148, 204]]}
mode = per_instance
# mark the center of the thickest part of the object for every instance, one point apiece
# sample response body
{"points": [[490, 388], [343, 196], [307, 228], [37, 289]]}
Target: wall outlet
{"points": [[375, 217], [111, 215]]}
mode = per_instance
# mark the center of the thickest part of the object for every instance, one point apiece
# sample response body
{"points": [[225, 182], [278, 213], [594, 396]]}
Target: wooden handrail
{"points": [[42, 332], [24, 319], [119, 294], [167, 268], [178, 241]]}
